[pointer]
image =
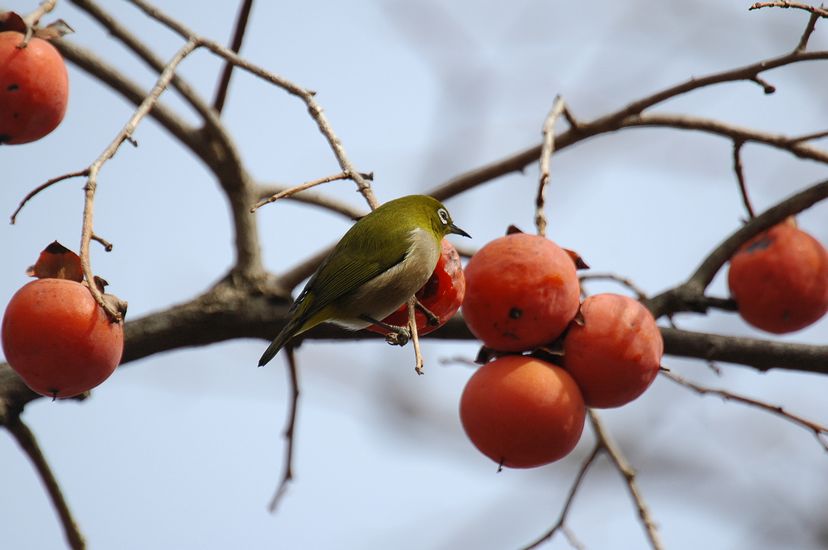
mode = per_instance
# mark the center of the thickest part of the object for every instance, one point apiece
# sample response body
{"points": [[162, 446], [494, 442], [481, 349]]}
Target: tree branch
{"points": [[547, 148], [629, 116], [235, 45], [28, 443], [570, 498], [213, 145], [762, 355], [627, 471], [820, 12], [315, 199], [818, 430], [91, 183], [290, 430], [305, 95], [681, 298]]}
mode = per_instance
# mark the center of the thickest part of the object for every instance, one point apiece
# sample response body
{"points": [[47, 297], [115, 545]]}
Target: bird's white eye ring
{"points": [[443, 215]]}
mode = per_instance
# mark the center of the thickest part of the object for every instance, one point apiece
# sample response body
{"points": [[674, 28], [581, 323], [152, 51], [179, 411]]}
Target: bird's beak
{"points": [[457, 231]]}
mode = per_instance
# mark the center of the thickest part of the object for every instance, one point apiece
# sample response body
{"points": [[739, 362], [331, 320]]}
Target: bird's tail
{"points": [[289, 331]]}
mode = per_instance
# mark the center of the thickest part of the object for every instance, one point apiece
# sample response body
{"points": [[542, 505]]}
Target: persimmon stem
{"points": [[33, 18]]}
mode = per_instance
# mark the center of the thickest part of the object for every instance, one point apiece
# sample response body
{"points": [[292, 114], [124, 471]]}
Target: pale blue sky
{"points": [[184, 449]]}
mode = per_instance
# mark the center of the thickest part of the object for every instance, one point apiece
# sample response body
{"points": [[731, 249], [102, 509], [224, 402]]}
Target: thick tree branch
{"points": [[231, 310], [762, 355], [683, 297]]}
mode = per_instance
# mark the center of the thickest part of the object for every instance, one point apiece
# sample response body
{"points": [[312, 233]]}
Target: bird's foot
{"points": [[399, 336], [433, 320]]}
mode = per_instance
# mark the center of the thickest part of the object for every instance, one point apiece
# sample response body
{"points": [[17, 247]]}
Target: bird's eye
{"points": [[444, 216]]}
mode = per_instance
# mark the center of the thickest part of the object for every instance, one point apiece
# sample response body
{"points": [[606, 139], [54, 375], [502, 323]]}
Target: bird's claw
{"points": [[431, 318], [399, 337]]}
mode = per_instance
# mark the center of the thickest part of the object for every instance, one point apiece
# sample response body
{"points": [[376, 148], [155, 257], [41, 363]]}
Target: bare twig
{"points": [[623, 281], [809, 137], [560, 525], [740, 177], [305, 95], [106, 244], [766, 86], [290, 430], [806, 34], [315, 199], [628, 472], [415, 337], [28, 443], [304, 186], [235, 45], [729, 131], [109, 152], [630, 115], [133, 43], [819, 431], [820, 12], [43, 186], [547, 148]]}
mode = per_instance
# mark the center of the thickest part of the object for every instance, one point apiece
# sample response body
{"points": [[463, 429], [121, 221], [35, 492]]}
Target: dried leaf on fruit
{"points": [[56, 29], [579, 261], [57, 262], [11, 21]]}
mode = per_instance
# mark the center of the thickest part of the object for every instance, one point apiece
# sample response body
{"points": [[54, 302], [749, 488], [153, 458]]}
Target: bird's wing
{"points": [[342, 271]]}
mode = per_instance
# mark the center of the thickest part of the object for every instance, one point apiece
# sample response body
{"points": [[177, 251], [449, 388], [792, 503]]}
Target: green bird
{"points": [[374, 269]]}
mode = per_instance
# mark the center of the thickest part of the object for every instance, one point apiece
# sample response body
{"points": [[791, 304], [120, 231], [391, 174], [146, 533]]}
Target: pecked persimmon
{"points": [[521, 292], [58, 339], [522, 412], [779, 279], [441, 295], [614, 351], [34, 88]]}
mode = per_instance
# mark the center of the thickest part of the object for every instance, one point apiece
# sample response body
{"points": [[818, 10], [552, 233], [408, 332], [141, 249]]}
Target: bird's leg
{"points": [[433, 320], [398, 336]]}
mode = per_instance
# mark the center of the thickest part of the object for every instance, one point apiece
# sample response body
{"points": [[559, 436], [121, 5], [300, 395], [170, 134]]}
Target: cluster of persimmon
{"points": [[779, 279], [55, 335], [554, 355], [34, 87]]}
